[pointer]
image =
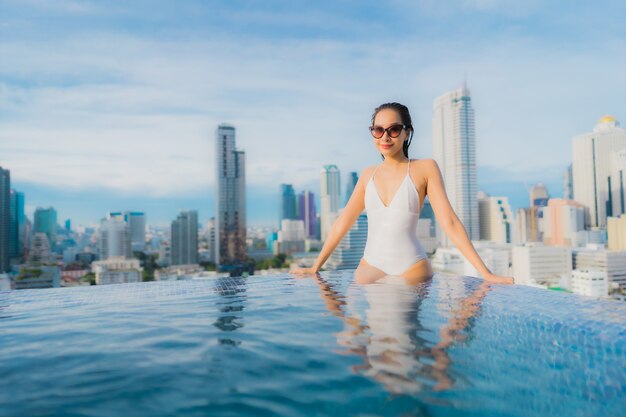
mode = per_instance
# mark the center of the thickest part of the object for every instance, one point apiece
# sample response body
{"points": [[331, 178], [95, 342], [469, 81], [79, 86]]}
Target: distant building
{"points": [[17, 225], [290, 237], [353, 178], [46, 222], [5, 219], [454, 149], [496, 219], [32, 277], [117, 271], [288, 206], [329, 197], [562, 220], [230, 240], [595, 257], [591, 169], [184, 247], [115, 239], [349, 252], [40, 249], [535, 263], [307, 213], [616, 203], [593, 283], [568, 183], [498, 257], [616, 229]]}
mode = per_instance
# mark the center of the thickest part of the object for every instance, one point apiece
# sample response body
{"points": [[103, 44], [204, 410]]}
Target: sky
{"points": [[113, 105]]}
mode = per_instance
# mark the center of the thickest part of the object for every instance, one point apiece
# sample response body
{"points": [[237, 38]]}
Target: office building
{"points": [[353, 178], [184, 245], [538, 264], [496, 219], [562, 220], [288, 206], [230, 241], [46, 222], [591, 169], [114, 238], [5, 219], [307, 213], [454, 149], [349, 252], [330, 192]]}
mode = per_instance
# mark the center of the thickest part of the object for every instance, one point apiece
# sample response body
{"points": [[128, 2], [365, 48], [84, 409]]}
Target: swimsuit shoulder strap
{"points": [[375, 169]]}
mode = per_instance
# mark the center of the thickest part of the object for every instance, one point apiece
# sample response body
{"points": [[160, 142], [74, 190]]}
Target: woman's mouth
{"points": [[385, 146]]}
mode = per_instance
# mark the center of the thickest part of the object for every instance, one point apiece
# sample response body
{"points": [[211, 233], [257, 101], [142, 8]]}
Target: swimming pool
{"points": [[279, 345]]}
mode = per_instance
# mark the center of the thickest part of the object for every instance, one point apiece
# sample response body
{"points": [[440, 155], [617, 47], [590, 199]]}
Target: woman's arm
{"points": [[342, 224], [451, 224]]}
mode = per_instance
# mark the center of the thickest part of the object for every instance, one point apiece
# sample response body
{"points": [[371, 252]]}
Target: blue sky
{"points": [[113, 105]]}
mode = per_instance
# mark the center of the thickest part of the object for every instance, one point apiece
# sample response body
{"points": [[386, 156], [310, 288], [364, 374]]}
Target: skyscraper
{"points": [[5, 218], [329, 197], [136, 223], [114, 237], [353, 177], [46, 222], [454, 149], [617, 183], [496, 219], [17, 226], [230, 245], [307, 213], [287, 203], [591, 164], [185, 238]]}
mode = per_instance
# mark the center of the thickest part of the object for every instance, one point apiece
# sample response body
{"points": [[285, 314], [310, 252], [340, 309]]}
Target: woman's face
{"points": [[387, 145]]}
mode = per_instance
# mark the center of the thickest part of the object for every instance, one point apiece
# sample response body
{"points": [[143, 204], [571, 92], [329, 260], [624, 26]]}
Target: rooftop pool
{"points": [[286, 346]]}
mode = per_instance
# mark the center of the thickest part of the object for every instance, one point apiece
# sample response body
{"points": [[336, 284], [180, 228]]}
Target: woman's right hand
{"points": [[304, 271]]}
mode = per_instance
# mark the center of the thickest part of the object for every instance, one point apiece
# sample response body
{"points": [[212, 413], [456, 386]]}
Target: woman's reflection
{"points": [[391, 337]]}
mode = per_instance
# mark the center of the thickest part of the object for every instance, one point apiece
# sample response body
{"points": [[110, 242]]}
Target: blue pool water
{"points": [[286, 346]]}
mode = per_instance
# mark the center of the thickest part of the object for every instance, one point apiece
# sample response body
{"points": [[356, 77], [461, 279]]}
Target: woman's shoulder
{"points": [[424, 163]]}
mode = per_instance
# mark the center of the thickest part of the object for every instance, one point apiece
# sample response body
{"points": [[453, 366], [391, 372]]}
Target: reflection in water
{"points": [[391, 337], [233, 291]]}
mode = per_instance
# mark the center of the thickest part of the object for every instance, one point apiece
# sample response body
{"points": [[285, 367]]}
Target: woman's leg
{"points": [[366, 273]]}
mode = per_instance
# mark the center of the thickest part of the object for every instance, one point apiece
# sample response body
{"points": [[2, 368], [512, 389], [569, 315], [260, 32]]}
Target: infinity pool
{"points": [[285, 346]]}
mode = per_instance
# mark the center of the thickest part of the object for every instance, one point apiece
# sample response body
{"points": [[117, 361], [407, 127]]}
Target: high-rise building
{"points": [[17, 226], [46, 222], [210, 226], [616, 204], [562, 220], [349, 252], [454, 149], [496, 219], [40, 249], [114, 237], [536, 263], [184, 247], [353, 178], [539, 195], [616, 230], [136, 223], [288, 206], [290, 237], [591, 168], [231, 254], [329, 197], [5, 219], [307, 213], [568, 184]]}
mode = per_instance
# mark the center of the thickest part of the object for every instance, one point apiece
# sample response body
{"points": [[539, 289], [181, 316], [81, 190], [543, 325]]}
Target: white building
{"points": [[617, 183], [496, 219], [535, 263], [39, 249], [291, 237], [454, 149], [448, 260], [117, 270], [330, 199], [498, 257], [114, 237], [593, 283], [591, 167], [186, 272], [616, 230], [350, 250], [595, 257]]}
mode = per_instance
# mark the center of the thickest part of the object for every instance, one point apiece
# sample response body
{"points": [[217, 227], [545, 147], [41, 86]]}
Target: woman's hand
{"points": [[304, 271], [499, 279]]}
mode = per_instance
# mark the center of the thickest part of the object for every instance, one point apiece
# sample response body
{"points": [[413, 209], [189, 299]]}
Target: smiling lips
{"points": [[384, 146]]}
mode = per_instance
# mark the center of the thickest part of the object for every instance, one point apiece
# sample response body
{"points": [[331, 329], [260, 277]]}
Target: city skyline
{"points": [[107, 113]]}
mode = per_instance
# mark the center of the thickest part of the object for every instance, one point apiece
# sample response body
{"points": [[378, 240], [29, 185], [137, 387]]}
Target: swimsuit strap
{"points": [[373, 173]]}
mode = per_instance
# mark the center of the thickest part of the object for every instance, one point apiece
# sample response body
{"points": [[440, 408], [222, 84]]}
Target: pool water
{"points": [[286, 346]]}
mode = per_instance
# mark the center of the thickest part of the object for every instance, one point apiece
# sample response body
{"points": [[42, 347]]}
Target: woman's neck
{"points": [[395, 161]]}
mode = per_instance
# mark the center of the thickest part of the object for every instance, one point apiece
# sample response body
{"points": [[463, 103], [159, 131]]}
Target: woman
{"points": [[393, 193]]}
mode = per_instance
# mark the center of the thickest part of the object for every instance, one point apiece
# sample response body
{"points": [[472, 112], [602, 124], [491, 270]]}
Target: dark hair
{"points": [[405, 116]]}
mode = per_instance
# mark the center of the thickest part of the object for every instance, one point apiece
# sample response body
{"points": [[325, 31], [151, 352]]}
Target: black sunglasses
{"points": [[393, 131]]}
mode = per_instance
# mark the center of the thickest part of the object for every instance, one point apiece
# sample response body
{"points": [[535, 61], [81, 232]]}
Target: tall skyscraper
{"points": [[46, 222], [114, 237], [136, 223], [617, 183], [454, 149], [5, 219], [231, 254], [287, 203], [353, 177], [329, 197], [17, 226], [185, 238], [591, 164], [307, 213]]}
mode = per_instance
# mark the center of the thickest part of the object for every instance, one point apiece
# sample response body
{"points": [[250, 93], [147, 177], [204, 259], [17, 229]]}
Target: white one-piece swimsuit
{"points": [[392, 244]]}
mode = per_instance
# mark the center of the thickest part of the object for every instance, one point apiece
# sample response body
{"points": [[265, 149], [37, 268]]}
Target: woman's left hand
{"points": [[499, 279]]}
